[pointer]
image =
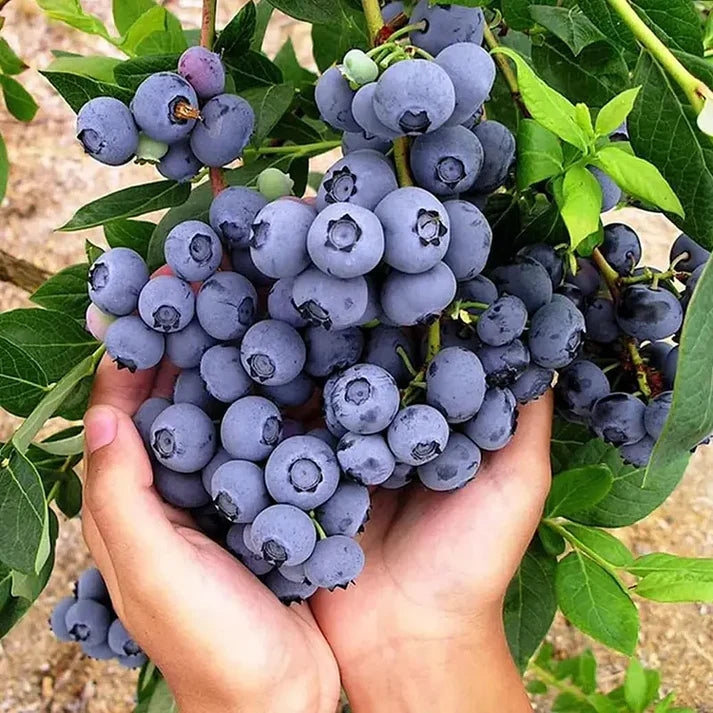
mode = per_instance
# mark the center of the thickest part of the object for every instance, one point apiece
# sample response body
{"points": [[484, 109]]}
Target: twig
{"points": [[21, 273], [506, 71]]}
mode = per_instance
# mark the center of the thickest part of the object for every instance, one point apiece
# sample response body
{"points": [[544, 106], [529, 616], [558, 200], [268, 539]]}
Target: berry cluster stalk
{"points": [[217, 178]]}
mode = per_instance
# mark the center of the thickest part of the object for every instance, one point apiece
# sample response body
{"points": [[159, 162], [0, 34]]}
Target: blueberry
{"points": [[289, 592], [621, 248], [446, 25], [365, 399], [503, 321], [91, 585], [302, 471], [359, 140], [403, 475], [362, 178], [556, 334], [573, 294], [328, 301], [294, 393], [418, 435], [191, 389], [116, 280], [618, 418], [381, 350], [416, 229], [414, 97], [496, 422], [243, 264], [278, 238], [280, 306], [367, 460], [107, 131], [587, 278], [695, 254], [251, 429], [58, 623], [193, 251], [346, 241], [601, 321], [499, 155], [336, 562], [186, 348], [504, 364], [227, 123], [334, 97], [472, 71], [638, 454], [548, 257], [527, 279], [167, 304], [454, 468], [148, 412], [220, 458], [534, 382], [471, 240], [447, 162], [88, 622], [204, 70], [183, 438], [365, 115], [226, 306], [477, 289], [180, 163], [611, 193], [455, 384], [670, 368], [182, 490], [283, 534], [120, 641], [332, 350], [657, 413], [133, 345], [580, 386], [346, 512], [232, 214], [224, 375], [408, 300], [238, 491], [649, 314], [236, 544], [330, 418], [164, 107], [273, 353]]}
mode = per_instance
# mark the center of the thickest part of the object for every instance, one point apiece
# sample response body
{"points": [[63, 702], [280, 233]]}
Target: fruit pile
{"points": [[368, 340], [179, 121], [88, 619]]}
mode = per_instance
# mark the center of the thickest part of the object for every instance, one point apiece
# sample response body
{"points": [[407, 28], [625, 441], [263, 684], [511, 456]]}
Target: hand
{"points": [[422, 628], [221, 639]]}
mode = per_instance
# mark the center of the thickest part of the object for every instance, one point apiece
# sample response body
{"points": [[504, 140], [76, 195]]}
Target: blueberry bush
{"points": [[452, 267]]}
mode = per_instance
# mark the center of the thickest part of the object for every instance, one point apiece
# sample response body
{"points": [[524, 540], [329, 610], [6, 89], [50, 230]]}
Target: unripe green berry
{"points": [[149, 150], [359, 68], [274, 184]]}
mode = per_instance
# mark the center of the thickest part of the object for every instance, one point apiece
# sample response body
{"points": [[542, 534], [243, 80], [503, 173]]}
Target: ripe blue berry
{"points": [[273, 353], [116, 280], [181, 490], [454, 468], [193, 251], [284, 535], [446, 25], [346, 512], [280, 306], [251, 429], [336, 562], [233, 212], [133, 345], [226, 305], [186, 348], [496, 422], [455, 384], [183, 438], [167, 304], [238, 491], [224, 375], [332, 350], [180, 163], [88, 622], [419, 434], [367, 460], [107, 131], [236, 544], [471, 240], [334, 97]]}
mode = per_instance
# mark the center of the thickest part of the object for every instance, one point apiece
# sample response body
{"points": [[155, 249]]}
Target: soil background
{"points": [[50, 178]]}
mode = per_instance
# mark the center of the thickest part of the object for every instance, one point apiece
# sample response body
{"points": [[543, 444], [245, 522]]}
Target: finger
{"points": [[120, 388]]}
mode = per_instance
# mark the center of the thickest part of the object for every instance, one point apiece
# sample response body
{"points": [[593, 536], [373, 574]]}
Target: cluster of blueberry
{"points": [[179, 121], [88, 619]]}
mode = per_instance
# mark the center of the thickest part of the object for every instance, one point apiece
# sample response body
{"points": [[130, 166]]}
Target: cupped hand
{"points": [[219, 636], [423, 624]]}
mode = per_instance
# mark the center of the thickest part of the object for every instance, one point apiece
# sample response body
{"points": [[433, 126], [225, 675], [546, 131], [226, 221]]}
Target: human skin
{"points": [[421, 630]]}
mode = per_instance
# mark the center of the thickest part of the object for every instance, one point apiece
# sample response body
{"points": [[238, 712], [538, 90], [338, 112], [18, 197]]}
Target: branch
{"points": [[217, 177], [506, 71], [21, 273]]}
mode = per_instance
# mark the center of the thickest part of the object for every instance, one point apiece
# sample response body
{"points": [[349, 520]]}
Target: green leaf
{"points": [[153, 20], [567, 439], [582, 670], [517, 13], [160, 700], [4, 168], [553, 543], [70, 12], [77, 90], [314, 11], [270, 104], [292, 70], [262, 20], [662, 563], [127, 203], [132, 72], [596, 76], [539, 154], [638, 178], [92, 251], [346, 30], [667, 578], [580, 203], [197, 206], [290, 128], [23, 511], [570, 24], [132, 234], [126, 12], [636, 687], [660, 120], [548, 107], [577, 489], [23, 382], [94, 66], [234, 41], [65, 292], [595, 603], [10, 63], [570, 703], [18, 100], [664, 706], [530, 605], [601, 543], [69, 497], [170, 40], [536, 687], [254, 70], [615, 113]]}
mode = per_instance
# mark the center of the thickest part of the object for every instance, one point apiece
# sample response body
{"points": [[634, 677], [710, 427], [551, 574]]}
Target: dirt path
{"points": [[50, 179]]}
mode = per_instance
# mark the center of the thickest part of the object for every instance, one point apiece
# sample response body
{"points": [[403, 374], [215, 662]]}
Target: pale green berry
{"points": [[359, 68], [150, 151], [274, 184]]}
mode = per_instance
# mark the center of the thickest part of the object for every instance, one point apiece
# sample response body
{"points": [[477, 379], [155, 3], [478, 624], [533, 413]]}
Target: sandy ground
{"points": [[50, 179]]}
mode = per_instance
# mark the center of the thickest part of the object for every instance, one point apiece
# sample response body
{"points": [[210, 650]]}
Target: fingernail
{"points": [[99, 428]]}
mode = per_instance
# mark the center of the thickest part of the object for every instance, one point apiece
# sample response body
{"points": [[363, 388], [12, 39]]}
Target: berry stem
{"points": [[407, 362], [297, 149], [694, 88], [53, 491], [640, 367], [506, 71], [611, 276], [407, 30], [320, 530]]}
